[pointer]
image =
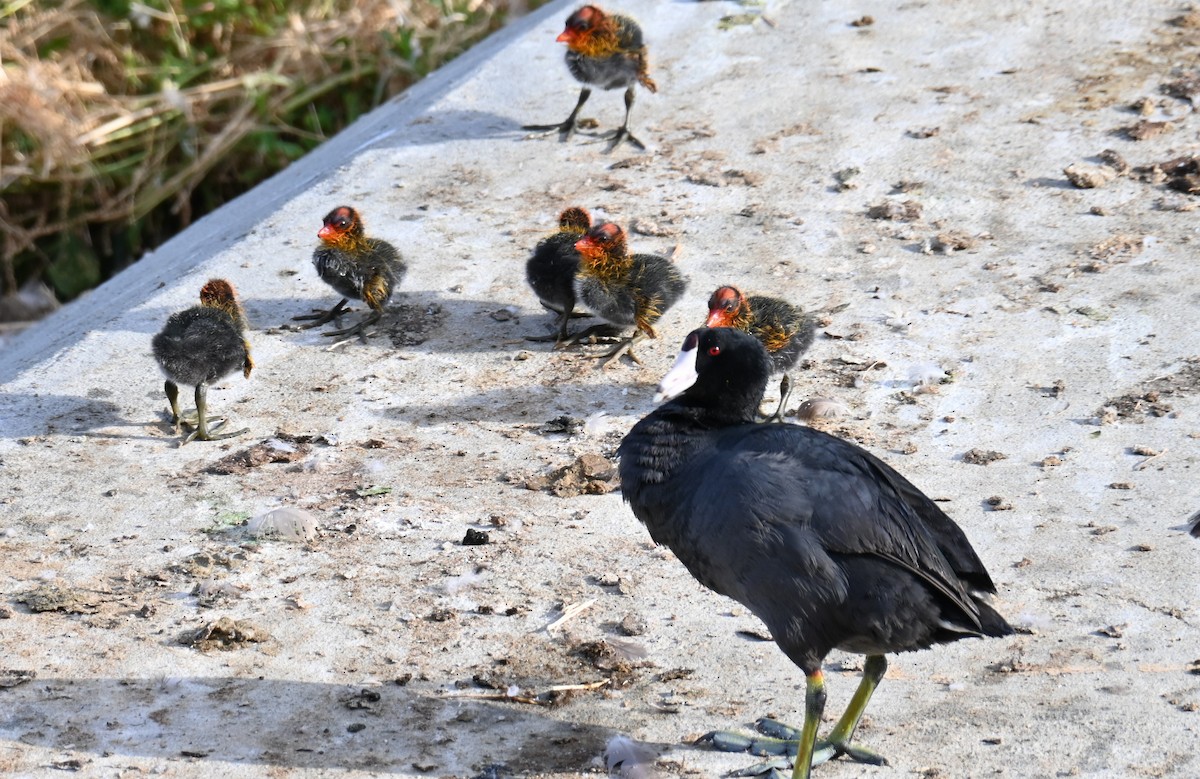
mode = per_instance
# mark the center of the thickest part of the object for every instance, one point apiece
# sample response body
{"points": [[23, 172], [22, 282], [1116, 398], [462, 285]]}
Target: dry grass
{"points": [[113, 109]]}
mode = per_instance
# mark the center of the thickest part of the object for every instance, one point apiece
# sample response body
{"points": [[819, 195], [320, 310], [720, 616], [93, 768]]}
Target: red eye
{"points": [[714, 350]]}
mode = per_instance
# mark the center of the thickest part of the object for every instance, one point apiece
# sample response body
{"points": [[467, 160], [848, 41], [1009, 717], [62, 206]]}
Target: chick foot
{"points": [[625, 347], [622, 134], [359, 329], [320, 316]]}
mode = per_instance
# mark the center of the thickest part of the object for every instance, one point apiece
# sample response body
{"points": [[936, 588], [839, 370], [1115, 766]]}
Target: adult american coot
{"points": [[824, 542], [356, 266], [551, 268], [200, 345], [784, 329], [606, 51]]}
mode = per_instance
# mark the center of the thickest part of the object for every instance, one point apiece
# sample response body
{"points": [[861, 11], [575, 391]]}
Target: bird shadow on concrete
{"points": [[534, 405], [447, 125], [435, 321], [215, 721], [45, 414], [1047, 182]]}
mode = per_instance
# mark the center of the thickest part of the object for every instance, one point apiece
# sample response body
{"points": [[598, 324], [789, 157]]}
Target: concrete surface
{"points": [[389, 647]]}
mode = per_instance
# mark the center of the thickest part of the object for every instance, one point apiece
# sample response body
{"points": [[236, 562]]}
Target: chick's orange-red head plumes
{"points": [[575, 219], [580, 24], [339, 224], [724, 306], [217, 293], [604, 240]]}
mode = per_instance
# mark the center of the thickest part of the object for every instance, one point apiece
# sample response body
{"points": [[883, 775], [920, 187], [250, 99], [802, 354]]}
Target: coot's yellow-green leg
{"points": [[839, 738], [814, 707]]}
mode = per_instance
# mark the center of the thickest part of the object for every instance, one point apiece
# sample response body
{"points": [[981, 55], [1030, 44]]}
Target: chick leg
{"points": [[186, 419], [203, 432], [566, 127], [321, 316], [622, 133], [785, 392], [603, 330], [172, 390], [560, 324]]}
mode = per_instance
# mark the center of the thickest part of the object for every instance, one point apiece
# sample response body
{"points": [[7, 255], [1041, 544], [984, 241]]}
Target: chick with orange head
{"points": [[356, 266], [606, 51]]}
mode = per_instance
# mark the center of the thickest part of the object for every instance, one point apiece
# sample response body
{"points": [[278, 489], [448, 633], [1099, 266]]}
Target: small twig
{"points": [[1146, 462], [539, 699], [570, 612]]}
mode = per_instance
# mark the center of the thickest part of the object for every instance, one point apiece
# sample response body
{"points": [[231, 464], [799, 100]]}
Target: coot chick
{"points": [[821, 540], [624, 289], [200, 345], [356, 266], [551, 268], [785, 330], [606, 51]]}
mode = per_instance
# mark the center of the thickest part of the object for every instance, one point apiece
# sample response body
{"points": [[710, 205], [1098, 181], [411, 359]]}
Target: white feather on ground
{"points": [[634, 760]]}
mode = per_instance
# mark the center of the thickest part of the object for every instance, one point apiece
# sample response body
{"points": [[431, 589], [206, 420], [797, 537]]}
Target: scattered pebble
{"points": [[591, 474], [632, 625], [1085, 176], [225, 633], [287, 522], [983, 456], [891, 210], [475, 537]]}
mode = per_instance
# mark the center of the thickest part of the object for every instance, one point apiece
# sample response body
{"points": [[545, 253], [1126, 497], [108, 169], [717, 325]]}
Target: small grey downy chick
{"points": [[199, 345]]}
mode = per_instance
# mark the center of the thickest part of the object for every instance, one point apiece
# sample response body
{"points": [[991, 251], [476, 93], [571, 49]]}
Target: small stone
{"points": [[1086, 176], [476, 537], [632, 625], [983, 456]]}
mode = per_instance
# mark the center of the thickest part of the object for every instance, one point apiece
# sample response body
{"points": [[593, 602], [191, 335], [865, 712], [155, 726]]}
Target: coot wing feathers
{"points": [[817, 495]]}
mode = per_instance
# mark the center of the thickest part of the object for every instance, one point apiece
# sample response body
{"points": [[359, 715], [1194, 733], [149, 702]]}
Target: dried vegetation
{"points": [[121, 121]]}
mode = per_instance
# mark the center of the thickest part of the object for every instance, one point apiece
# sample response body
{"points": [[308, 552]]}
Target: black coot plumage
{"points": [[824, 542], [356, 266], [624, 289], [607, 51], [199, 345], [551, 268], [784, 329]]}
